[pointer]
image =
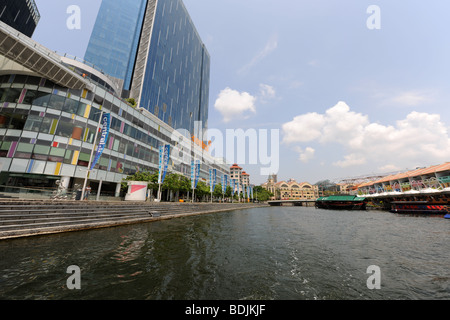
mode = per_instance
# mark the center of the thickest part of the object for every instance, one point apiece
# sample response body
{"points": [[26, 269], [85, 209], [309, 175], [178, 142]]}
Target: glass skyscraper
{"points": [[154, 47], [22, 15], [115, 38]]}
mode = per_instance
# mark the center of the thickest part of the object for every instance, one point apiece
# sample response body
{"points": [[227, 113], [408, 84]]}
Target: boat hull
{"points": [[342, 206], [419, 208]]}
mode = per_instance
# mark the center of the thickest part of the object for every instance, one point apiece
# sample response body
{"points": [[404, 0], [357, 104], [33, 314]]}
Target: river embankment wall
{"points": [[27, 218]]}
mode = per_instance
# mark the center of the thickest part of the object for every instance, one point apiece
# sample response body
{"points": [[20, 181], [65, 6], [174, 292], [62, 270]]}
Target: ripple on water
{"points": [[267, 253]]}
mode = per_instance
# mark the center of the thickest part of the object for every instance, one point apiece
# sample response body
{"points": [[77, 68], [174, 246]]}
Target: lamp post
{"points": [[90, 159]]}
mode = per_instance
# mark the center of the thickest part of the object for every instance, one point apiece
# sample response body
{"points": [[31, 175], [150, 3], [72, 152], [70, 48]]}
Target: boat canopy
{"points": [[342, 198]]}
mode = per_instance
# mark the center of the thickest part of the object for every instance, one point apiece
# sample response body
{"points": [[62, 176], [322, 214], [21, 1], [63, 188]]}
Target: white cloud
{"points": [[305, 155], [266, 91], [410, 98], [304, 128], [420, 138], [233, 104], [270, 46], [350, 160]]}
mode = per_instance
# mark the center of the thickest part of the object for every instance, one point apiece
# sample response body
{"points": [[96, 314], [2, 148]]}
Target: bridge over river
{"points": [[303, 203]]}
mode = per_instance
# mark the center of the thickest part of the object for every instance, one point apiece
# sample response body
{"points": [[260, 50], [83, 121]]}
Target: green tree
{"points": [[218, 191], [201, 190], [132, 102], [261, 194], [176, 183], [228, 192]]}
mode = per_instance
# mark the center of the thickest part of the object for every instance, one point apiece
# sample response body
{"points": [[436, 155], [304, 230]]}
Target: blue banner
{"points": [[161, 160], [211, 189], [212, 179], [224, 186], [166, 161], [192, 174], [197, 172], [232, 185], [106, 119]]}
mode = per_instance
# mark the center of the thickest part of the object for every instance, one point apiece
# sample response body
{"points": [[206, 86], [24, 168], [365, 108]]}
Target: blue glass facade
{"points": [[115, 38], [173, 82], [176, 82]]}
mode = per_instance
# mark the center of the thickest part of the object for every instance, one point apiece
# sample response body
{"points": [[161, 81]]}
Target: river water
{"points": [[280, 253]]}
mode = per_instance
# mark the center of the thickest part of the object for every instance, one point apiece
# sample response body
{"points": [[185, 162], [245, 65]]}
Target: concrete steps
{"points": [[20, 218]]}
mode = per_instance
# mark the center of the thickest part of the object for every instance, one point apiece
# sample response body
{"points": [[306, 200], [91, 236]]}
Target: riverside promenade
{"points": [[25, 218]]}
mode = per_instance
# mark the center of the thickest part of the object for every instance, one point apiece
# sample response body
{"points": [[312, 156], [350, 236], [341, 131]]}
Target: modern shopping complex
{"points": [[50, 105]]}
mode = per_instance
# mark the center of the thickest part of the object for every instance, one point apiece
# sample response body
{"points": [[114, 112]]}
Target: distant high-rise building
{"points": [[22, 15], [154, 47], [115, 38]]}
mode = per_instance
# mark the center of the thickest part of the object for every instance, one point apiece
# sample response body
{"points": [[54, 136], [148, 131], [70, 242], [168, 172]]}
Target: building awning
{"points": [[26, 52], [342, 198]]}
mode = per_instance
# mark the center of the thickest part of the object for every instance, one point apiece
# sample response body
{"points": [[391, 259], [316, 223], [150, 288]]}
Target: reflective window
{"points": [[24, 150], [56, 154], [33, 123], [46, 124], [70, 106], [83, 159], [68, 156], [12, 120], [11, 95], [65, 128], [41, 99], [57, 102], [40, 152]]}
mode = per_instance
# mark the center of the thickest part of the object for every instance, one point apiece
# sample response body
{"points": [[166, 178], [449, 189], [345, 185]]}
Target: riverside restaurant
{"points": [[432, 182]]}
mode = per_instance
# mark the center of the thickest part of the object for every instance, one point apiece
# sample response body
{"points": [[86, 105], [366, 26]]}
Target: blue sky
{"points": [[348, 100]]}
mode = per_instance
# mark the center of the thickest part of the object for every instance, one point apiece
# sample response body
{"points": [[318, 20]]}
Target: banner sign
{"points": [[106, 119], [164, 157], [212, 179], [233, 186], [166, 160], [211, 187], [197, 172], [192, 174], [224, 183], [161, 159]]}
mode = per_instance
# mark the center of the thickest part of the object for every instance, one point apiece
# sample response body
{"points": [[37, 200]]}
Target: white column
{"points": [[65, 182], [118, 186]]}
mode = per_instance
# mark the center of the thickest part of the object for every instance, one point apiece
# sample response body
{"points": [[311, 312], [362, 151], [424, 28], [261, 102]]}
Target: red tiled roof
{"points": [[411, 173]]}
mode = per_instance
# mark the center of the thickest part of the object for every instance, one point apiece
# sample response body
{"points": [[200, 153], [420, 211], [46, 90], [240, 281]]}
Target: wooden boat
{"points": [[341, 202], [418, 207]]}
